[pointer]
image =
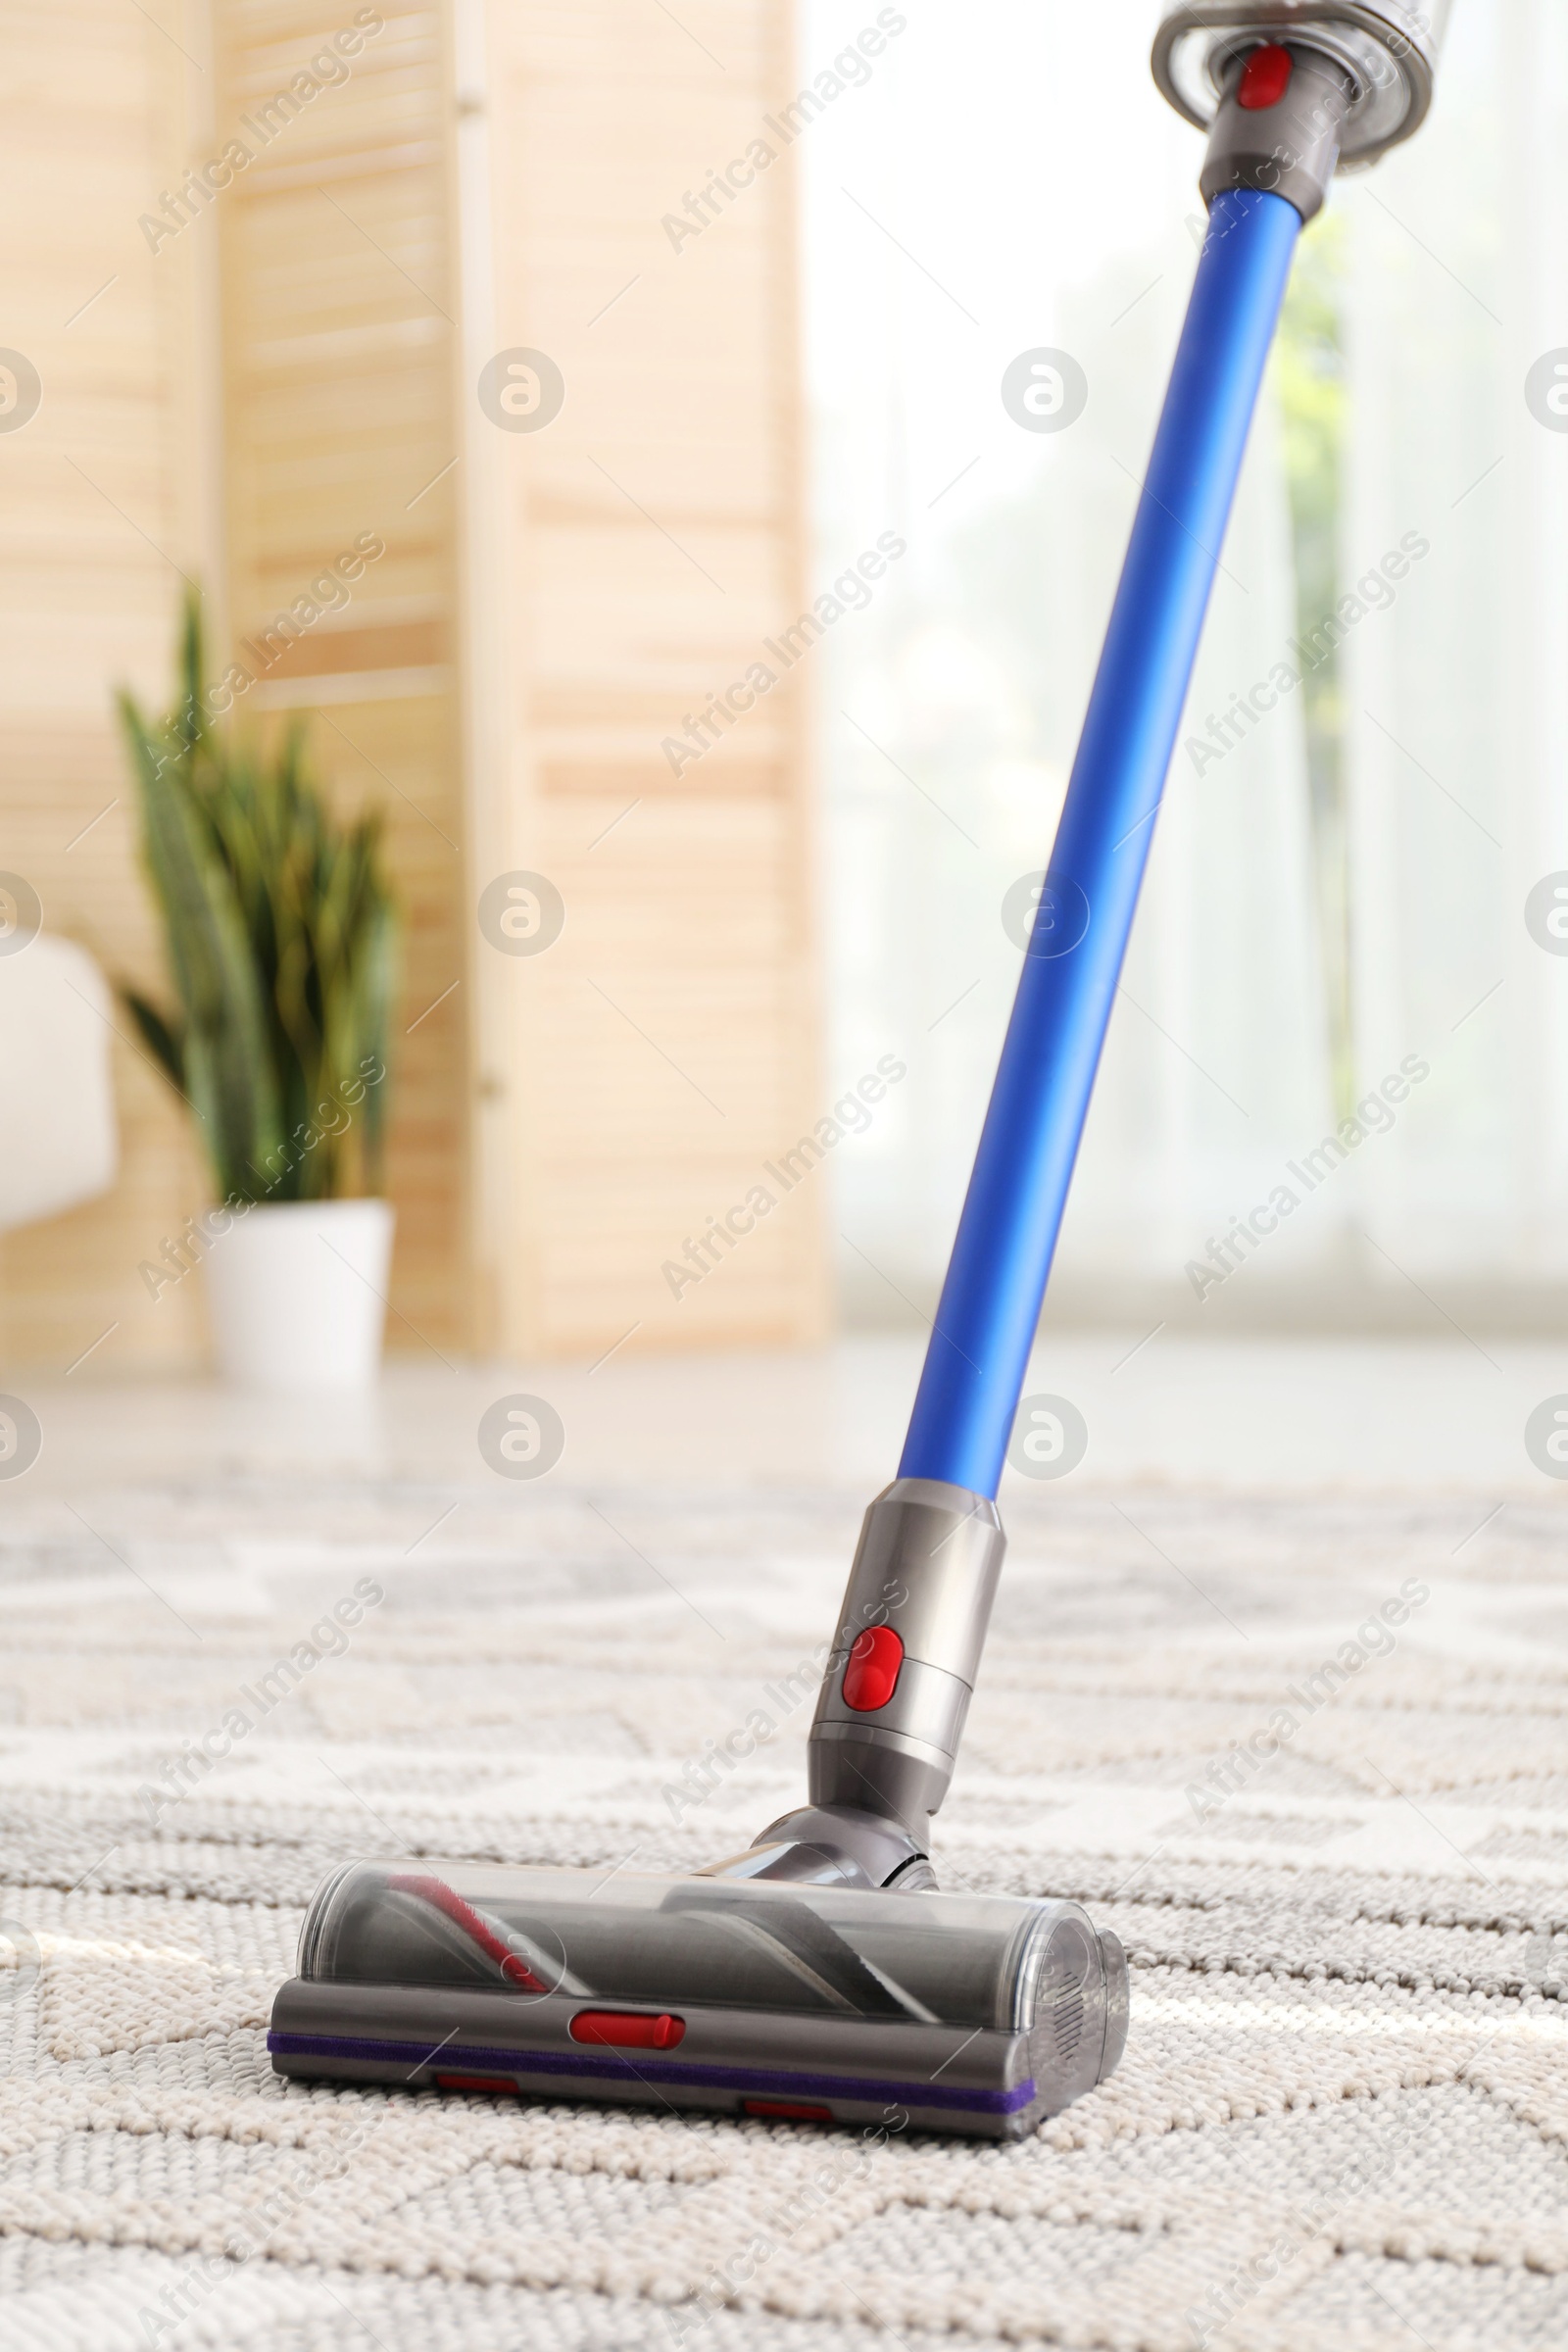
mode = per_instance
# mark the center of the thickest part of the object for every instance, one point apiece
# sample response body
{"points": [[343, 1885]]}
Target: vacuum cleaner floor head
{"points": [[972, 2014]]}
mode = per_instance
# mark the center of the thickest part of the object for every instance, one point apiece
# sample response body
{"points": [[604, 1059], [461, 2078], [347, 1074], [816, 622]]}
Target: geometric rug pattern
{"points": [[1308, 1757]]}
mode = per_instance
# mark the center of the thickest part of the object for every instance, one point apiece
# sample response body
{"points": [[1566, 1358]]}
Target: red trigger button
{"points": [[1265, 81], [871, 1675]]}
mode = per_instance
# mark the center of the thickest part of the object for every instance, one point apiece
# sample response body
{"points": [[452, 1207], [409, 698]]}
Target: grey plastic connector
{"points": [[1290, 148], [1388, 49], [926, 1565], [832, 1846]]}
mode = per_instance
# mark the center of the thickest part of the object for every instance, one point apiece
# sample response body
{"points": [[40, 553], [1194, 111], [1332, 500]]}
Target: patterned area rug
{"points": [[1310, 1759]]}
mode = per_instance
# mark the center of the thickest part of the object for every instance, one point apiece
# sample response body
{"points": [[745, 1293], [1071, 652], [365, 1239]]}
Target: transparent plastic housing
{"points": [[938, 1959]]}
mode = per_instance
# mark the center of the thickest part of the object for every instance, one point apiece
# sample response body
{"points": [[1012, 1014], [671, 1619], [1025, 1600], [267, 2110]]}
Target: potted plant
{"points": [[282, 936]]}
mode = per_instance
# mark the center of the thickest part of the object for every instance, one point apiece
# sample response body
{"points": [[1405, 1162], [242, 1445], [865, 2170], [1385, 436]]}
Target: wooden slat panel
{"points": [[544, 611], [666, 1044], [338, 372], [96, 519]]}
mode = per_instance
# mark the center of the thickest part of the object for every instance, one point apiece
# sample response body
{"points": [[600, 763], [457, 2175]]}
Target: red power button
{"points": [[871, 1675], [1265, 81]]}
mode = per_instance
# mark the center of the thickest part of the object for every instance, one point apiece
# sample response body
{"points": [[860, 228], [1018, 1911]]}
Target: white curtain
{"points": [[964, 205], [1458, 697]]}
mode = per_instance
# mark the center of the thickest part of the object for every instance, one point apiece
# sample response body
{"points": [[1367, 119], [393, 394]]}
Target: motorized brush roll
{"points": [[978, 2014]]}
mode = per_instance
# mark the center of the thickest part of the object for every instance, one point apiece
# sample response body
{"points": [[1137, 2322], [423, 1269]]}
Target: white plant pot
{"points": [[297, 1292]]}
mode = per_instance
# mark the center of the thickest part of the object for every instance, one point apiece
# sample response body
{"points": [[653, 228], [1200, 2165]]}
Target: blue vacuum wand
{"points": [[991, 1300], [820, 1975], [1290, 90], [1285, 110]]}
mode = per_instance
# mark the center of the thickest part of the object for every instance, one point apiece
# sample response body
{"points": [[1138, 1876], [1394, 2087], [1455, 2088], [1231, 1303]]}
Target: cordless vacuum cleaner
{"points": [[821, 1974]]}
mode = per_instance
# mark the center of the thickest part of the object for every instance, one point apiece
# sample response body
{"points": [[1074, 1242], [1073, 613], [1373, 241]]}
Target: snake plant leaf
{"points": [[229, 1080], [281, 939], [165, 1045]]}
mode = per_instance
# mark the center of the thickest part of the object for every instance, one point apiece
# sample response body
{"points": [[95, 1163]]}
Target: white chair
{"points": [[58, 1141]]}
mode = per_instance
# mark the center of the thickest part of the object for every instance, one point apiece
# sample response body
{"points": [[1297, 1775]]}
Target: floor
{"points": [[1342, 2115], [1433, 1417]]}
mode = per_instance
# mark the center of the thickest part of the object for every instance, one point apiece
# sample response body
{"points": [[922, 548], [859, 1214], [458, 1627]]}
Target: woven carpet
{"points": [[1342, 2112]]}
